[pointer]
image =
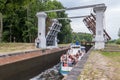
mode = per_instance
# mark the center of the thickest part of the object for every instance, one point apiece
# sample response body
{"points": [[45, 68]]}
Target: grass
{"points": [[113, 56], [17, 47], [60, 45], [14, 47]]}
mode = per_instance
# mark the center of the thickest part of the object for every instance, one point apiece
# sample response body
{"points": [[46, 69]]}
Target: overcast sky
{"points": [[112, 15]]}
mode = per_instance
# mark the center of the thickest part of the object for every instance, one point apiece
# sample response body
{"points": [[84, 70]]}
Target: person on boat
{"points": [[75, 59], [77, 43], [70, 61], [83, 49], [79, 53], [62, 58]]}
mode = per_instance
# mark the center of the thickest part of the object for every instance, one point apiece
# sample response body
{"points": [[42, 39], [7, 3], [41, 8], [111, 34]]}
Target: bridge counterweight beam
{"points": [[74, 8]]}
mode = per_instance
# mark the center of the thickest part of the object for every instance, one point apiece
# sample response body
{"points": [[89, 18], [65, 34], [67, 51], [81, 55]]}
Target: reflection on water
{"points": [[50, 74]]}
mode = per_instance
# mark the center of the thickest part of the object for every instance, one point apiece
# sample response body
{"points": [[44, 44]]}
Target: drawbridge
{"points": [[51, 37], [90, 22], [95, 23]]}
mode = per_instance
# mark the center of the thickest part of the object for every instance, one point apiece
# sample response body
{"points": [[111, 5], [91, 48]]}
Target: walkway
{"points": [[99, 67]]}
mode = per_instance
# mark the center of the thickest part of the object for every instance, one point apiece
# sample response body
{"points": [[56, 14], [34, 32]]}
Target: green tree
{"points": [[13, 17], [66, 32], [82, 37], [20, 22], [119, 32], [118, 41]]}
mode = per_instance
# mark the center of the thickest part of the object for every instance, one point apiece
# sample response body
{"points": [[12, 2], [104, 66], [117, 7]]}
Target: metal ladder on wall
{"points": [[51, 36]]}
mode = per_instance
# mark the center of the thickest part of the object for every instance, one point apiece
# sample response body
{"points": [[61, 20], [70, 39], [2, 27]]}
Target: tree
{"points": [[14, 18], [119, 33], [20, 22], [82, 37], [66, 32]]}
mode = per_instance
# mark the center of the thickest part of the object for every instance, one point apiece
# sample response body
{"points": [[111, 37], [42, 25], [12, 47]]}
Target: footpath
{"points": [[100, 67]]}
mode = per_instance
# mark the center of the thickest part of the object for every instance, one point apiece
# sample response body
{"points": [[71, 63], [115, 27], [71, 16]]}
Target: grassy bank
{"points": [[15, 47], [114, 56]]}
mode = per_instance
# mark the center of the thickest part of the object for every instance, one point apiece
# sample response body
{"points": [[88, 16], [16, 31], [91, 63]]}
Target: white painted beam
{"points": [[72, 17], [74, 8]]}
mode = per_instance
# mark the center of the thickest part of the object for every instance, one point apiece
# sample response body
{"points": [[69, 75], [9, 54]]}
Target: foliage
{"points": [[118, 41], [111, 41], [111, 54], [20, 22], [115, 56], [81, 37], [119, 33], [65, 36], [16, 47]]}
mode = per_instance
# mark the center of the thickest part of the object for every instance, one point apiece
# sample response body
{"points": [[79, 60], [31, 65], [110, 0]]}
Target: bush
{"points": [[118, 41], [111, 41]]}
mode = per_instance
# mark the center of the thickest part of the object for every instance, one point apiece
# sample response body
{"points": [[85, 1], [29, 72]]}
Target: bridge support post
{"points": [[41, 29], [99, 38]]}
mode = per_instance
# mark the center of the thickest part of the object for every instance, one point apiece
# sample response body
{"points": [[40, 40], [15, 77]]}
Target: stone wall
{"points": [[25, 69]]}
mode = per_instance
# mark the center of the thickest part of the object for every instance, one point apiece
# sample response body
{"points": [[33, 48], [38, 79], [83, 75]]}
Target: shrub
{"points": [[118, 41], [111, 41]]}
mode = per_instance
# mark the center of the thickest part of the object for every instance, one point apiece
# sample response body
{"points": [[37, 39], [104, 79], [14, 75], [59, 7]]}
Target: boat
{"points": [[70, 59]]}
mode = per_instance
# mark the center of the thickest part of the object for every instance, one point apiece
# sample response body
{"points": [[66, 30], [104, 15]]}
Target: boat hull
{"points": [[65, 70]]}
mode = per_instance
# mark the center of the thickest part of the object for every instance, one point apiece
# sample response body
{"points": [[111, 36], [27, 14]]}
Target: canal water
{"points": [[49, 74]]}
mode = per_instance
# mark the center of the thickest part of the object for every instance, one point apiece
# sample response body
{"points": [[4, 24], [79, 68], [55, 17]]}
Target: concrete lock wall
{"points": [[87, 47], [24, 70]]}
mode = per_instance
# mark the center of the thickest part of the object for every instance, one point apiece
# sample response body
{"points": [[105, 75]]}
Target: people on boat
{"points": [[63, 57], [83, 49], [70, 60]]}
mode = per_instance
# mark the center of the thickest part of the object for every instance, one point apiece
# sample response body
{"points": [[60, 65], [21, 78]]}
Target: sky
{"points": [[112, 15]]}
